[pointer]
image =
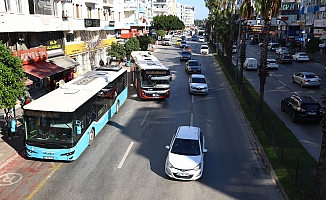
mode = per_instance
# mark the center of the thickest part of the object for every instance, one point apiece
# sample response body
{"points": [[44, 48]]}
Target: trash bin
{"points": [[128, 63], [317, 60]]}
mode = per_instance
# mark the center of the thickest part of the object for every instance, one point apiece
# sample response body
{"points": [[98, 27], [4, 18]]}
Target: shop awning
{"points": [[64, 62], [42, 69]]}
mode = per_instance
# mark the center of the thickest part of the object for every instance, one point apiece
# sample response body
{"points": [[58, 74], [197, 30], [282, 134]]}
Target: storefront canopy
{"points": [[64, 62], [42, 69]]}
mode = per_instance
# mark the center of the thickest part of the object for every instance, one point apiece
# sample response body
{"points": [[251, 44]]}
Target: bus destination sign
{"points": [[41, 114]]}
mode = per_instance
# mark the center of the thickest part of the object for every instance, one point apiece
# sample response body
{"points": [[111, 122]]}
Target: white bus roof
{"points": [[74, 93], [146, 61]]}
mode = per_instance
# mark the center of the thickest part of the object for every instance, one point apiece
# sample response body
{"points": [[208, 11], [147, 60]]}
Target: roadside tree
{"points": [[116, 50], [312, 46], [144, 41], [167, 22], [132, 45], [12, 78]]}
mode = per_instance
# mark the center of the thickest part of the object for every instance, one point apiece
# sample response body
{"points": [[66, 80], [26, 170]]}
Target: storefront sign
{"points": [[75, 48], [111, 23], [92, 22], [290, 6], [32, 55], [320, 23], [54, 44], [107, 42]]}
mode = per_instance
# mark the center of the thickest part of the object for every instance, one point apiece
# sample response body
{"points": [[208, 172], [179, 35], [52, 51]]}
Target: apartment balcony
{"points": [[92, 1], [130, 6], [160, 9], [159, 2], [131, 23]]}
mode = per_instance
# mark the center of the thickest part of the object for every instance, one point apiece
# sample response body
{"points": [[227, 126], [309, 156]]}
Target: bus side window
{"points": [[78, 127]]}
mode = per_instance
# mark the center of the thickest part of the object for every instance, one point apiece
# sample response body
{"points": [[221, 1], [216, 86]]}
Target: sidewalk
{"points": [[11, 147]]}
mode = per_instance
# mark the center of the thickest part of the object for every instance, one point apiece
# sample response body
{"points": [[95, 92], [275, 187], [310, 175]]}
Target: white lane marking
{"points": [[125, 156], [191, 119], [281, 83], [142, 123]]}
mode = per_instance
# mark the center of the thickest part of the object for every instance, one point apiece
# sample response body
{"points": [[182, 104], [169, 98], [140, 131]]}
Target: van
{"points": [[272, 46], [250, 64]]}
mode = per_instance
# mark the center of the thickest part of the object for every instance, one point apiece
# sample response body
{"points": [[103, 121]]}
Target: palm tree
{"points": [[268, 9], [246, 12]]}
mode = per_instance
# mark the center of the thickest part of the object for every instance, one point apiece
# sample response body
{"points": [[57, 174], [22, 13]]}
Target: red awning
{"points": [[42, 69]]}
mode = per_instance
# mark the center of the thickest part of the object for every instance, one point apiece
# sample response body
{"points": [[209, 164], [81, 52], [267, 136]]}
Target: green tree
{"points": [[132, 45], [144, 41], [160, 33], [313, 46], [167, 22], [282, 42], [293, 45], [12, 78], [116, 50]]}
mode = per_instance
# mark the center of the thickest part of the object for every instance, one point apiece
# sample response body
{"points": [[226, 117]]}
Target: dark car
{"points": [[302, 108], [284, 58], [193, 66], [183, 43], [185, 55]]}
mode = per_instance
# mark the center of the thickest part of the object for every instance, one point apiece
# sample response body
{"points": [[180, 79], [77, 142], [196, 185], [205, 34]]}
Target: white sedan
{"points": [[185, 160], [300, 56], [282, 50]]}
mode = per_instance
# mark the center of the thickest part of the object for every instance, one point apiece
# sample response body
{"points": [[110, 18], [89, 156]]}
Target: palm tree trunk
{"points": [[262, 65], [243, 50]]}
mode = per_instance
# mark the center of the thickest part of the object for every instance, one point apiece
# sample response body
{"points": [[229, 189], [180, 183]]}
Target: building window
{"points": [[44, 7], [19, 6], [7, 5], [77, 11], [70, 37]]}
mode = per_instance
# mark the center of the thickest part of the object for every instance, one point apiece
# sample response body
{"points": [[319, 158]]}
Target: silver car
{"points": [[306, 79], [193, 66], [198, 84]]}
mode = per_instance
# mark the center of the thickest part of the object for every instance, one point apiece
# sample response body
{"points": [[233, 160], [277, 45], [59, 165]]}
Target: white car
{"points": [[282, 50], [271, 64], [198, 84], [204, 49], [260, 44], [234, 49], [185, 160], [300, 56], [201, 39], [250, 64]]}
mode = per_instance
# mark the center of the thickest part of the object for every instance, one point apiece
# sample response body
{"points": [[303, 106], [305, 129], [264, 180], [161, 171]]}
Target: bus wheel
{"points": [[91, 137], [118, 107]]}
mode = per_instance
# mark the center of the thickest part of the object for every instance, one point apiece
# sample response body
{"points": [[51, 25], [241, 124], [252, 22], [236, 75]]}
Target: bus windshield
{"points": [[49, 129]]}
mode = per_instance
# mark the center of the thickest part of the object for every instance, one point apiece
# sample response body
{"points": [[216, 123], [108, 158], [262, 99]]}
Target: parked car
{"points": [[193, 66], [306, 79], [194, 38], [302, 108], [282, 50], [271, 64], [250, 64], [284, 58], [185, 55], [272, 46], [187, 47], [201, 39], [300, 56], [185, 159], [198, 84], [234, 49], [204, 49]]}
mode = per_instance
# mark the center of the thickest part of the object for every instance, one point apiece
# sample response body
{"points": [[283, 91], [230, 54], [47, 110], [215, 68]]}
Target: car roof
{"points": [[271, 59], [308, 73], [188, 132], [197, 76], [301, 53], [251, 58], [184, 51]]}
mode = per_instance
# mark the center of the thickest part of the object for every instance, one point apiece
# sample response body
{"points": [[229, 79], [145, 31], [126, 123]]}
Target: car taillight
{"points": [[321, 110], [301, 109]]}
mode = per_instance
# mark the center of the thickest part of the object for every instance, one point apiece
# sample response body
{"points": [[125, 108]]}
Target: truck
{"points": [[167, 40]]}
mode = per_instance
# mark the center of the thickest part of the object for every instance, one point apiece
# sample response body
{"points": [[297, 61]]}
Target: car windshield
{"points": [[193, 63], [183, 42], [311, 76], [287, 57], [185, 53], [302, 54], [272, 61], [186, 147], [204, 47], [198, 80]]}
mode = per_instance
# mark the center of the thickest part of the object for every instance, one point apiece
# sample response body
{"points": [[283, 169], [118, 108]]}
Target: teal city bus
{"points": [[61, 124]]}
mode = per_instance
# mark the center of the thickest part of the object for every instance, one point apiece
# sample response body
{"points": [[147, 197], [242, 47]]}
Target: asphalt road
{"points": [[126, 160], [279, 85]]}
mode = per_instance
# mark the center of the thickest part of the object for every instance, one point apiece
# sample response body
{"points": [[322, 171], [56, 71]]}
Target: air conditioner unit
{"points": [[65, 13]]}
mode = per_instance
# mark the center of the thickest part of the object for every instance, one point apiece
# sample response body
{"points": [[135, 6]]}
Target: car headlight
{"points": [[170, 165], [197, 167]]}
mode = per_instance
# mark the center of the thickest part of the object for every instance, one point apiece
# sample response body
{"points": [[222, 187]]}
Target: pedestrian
{"points": [[11, 127], [101, 63]]}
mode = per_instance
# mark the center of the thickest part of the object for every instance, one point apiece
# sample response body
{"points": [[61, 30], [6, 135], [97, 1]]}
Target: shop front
{"points": [[37, 68]]}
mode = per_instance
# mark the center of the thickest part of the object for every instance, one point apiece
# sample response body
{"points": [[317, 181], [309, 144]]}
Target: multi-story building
{"points": [[188, 15]]}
